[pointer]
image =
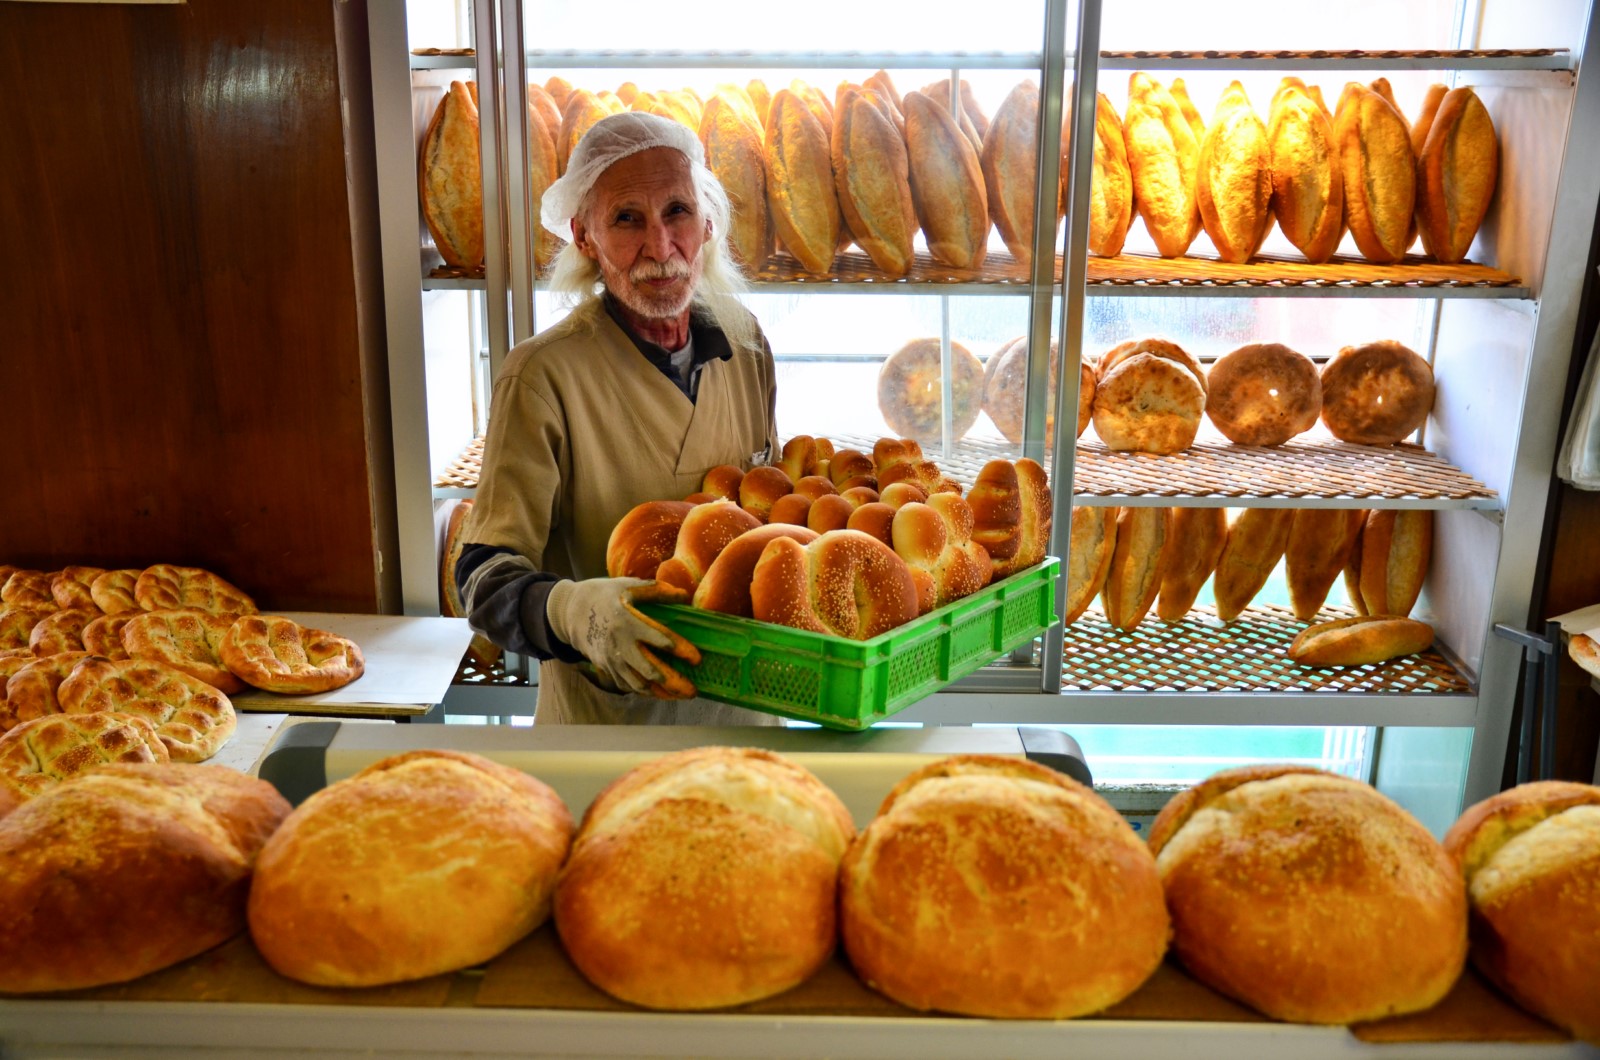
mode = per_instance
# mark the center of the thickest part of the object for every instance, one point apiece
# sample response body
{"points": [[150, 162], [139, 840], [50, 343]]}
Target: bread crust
{"points": [[1585, 652], [726, 585], [996, 502], [579, 112], [103, 636], [17, 622], [1033, 540], [60, 631], [1457, 170], [735, 153], [1233, 188], [1263, 394], [1138, 562], [1396, 552], [191, 717], [70, 588], [1359, 641], [1159, 347], [1111, 191], [1192, 553], [845, 583], [872, 176], [1318, 550], [451, 179], [705, 531], [34, 689], [911, 394], [1006, 389], [1379, 174], [947, 186], [760, 489], [1149, 404], [1010, 164], [166, 586], [29, 588], [1254, 545], [1376, 394], [37, 755], [1164, 160], [185, 640], [800, 189], [1089, 552], [276, 654], [113, 591]]}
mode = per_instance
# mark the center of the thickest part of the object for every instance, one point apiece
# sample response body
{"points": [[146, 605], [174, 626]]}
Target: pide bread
{"points": [[845, 583], [1164, 158], [1396, 551], [34, 690], [113, 591], [60, 631], [419, 864], [1307, 177], [1254, 545], [1378, 393], [450, 179], [947, 186], [1193, 550], [39, 754], [1233, 186], [17, 622], [1309, 896], [70, 588], [29, 588], [1111, 190], [1318, 550], [1531, 860], [1360, 640], [192, 718], [800, 189], [1010, 164], [1263, 394], [127, 869], [103, 636], [1137, 565], [277, 654], [185, 640], [872, 177], [736, 154], [911, 392], [726, 585], [704, 533], [1378, 172], [704, 878], [933, 892], [1089, 552], [166, 587], [1148, 404], [1457, 169]]}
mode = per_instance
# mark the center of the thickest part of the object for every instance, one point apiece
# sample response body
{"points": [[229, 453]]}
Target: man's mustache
{"points": [[661, 270]]}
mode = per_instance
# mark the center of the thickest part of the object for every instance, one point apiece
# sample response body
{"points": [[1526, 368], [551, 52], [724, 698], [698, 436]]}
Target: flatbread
{"points": [[113, 591], [168, 587], [61, 631], [279, 655], [191, 717], [103, 636], [39, 754], [186, 640], [1149, 404], [32, 692], [16, 625], [70, 588], [29, 588]]}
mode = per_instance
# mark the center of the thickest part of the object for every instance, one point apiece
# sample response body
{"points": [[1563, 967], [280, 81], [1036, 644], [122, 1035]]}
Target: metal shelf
{"points": [[1425, 59]]}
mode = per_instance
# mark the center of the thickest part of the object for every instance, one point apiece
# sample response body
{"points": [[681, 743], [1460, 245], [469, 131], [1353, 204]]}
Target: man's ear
{"points": [[580, 239], [708, 233]]}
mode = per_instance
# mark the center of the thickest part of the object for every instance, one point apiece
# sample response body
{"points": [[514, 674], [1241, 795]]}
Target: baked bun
{"points": [[168, 587], [185, 640], [277, 654], [877, 520], [1255, 543], [760, 489], [1531, 859], [1263, 394], [1378, 172], [829, 512], [475, 844], [37, 755], [1093, 543], [1457, 168], [813, 487], [800, 191], [733, 137], [192, 718], [16, 625], [1010, 163], [644, 538], [1170, 351], [1233, 187], [60, 631], [872, 177], [113, 591], [845, 583], [1193, 550], [1148, 404], [726, 585], [798, 458], [996, 502], [1164, 158], [125, 870], [850, 468], [103, 636], [704, 878], [1396, 551], [911, 395], [1317, 550], [792, 508], [450, 179], [723, 481], [70, 588], [930, 894], [1111, 189], [947, 187], [1376, 394], [935, 537], [1137, 564], [1033, 538], [705, 532], [1309, 896], [1307, 179]]}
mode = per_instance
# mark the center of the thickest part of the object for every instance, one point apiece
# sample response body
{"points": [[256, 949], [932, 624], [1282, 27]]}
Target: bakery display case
{"points": [[1495, 329]]}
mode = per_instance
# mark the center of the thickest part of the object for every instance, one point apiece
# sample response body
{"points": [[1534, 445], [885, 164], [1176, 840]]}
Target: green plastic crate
{"points": [[850, 684]]}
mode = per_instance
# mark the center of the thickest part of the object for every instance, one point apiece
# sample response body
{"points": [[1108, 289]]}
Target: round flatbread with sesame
{"points": [[191, 717], [113, 591], [16, 625], [29, 588], [186, 640], [277, 654], [70, 588], [32, 692], [39, 754], [168, 587], [60, 631], [103, 636]]}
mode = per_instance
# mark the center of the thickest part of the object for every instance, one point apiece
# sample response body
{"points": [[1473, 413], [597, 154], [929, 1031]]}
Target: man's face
{"points": [[645, 230]]}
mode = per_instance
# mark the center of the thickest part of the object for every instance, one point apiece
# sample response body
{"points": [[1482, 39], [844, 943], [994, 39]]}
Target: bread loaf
{"points": [[996, 501], [34, 690], [1033, 539], [1376, 394], [1378, 172], [1149, 404], [1162, 348], [760, 489], [1093, 542], [814, 486], [103, 636], [1007, 387], [791, 509], [829, 512], [704, 878], [16, 625], [1456, 174], [800, 189], [1137, 565], [1307, 176], [705, 532], [186, 640], [70, 588], [1198, 535], [760, 98], [1309, 896], [1359, 641], [559, 89], [1254, 545], [450, 179], [1010, 164], [1582, 649], [723, 481], [935, 536], [113, 591], [339, 887], [930, 894], [736, 154], [37, 755], [1396, 551], [845, 583], [1263, 394], [1531, 860], [277, 654], [968, 114], [544, 166], [1111, 189], [60, 631], [726, 585], [1419, 128], [947, 184], [1164, 158], [871, 174], [1234, 183], [581, 110], [1318, 549], [911, 391], [644, 538], [166, 586], [1186, 107], [543, 107], [125, 870]]}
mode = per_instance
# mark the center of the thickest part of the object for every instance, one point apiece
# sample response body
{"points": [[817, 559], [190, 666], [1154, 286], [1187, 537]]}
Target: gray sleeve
{"points": [[505, 599]]}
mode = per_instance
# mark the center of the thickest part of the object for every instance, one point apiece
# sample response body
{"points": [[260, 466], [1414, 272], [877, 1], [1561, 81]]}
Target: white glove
{"points": [[598, 619]]}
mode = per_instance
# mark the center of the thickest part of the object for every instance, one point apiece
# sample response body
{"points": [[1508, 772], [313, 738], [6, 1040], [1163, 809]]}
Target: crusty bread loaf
{"points": [[726, 585], [911, 392], [419, 864], [543, 106], [872, 177], [1089, 550], [644, 538], [1186, 107], [1137, 565], [1033, 539], [1307, 179], [544, 166], [704, 533], [579, 112], [1531, 859], [1317, 551], [125, 870], [1254, 545], [1430, 109], [1585, 651], [277, 654], [1162, 348], [450, 179], [166, 586], [800, 189], [1164, 158], [947, 185], [185, 640], [1233, 186], [1149, 404], [1359, 641], [1111, 189], [37, 755], [735, 153], [559, 89], [930, 894], [1196, 544], [845, 583], [704, 878], [1006, 389], [1378, 393], [1263, 393], [1378, 172], [1309, 896], [760, 98], [1396, 551], [1456, 174], [1010, 164], [760, 489], [723, 481]]}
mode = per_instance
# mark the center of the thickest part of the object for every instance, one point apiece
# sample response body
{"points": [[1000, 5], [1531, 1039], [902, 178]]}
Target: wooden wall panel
{"points": [[179, 347]]}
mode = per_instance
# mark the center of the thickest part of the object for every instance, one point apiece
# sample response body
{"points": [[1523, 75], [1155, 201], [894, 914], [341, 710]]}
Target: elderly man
{"points": [[657, 375]]}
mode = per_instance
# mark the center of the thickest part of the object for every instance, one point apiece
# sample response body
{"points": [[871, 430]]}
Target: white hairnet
{"points": [[614, 138]]}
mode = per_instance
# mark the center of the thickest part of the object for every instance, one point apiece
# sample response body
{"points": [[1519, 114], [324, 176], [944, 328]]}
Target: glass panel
{"points": [[1158, 25], [1184, 754]]}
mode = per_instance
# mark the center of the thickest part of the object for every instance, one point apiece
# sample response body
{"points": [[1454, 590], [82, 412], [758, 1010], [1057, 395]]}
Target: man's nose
{"points": [[657, 239]]}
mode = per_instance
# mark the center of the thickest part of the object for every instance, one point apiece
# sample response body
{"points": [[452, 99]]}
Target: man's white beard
{"points": [[659, 305]]}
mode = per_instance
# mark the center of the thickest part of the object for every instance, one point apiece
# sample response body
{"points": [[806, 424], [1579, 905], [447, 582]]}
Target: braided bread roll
{"points": [[845, 583]]}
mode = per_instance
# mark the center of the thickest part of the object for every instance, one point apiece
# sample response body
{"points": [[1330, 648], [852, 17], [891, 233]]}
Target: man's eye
{"points": [[625, 217]]}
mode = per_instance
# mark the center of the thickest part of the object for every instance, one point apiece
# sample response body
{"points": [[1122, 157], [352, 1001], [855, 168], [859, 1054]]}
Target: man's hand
{"points": [[597, 618]]}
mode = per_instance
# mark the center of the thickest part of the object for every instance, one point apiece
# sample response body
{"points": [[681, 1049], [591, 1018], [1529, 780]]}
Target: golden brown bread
{"points": [[167, 586], [726, 585], [543, 106], [876, 519], [60, 631], [791, 509], [127, 869], [579, 113], [1233, 186], [1531, 859], [559, 89], [1396, 550], [1010, 164], [798, 457], [1149, 404], [33, 690], [1254, 545], [1360, 640], [543, 168], [185, 640], [1111, 189], [1137, 564], [1093, 542], [37, 755], [1419, 128], [1170, 351], [29, 588], [1192, 553], [277, 654], [70, 588], [192, 718], [1186, 107], [1456, 174], [1376, 394], [911, 394], [450, 179], [340, 890], [930, 893], [450, 603], [103, 636], [645, 538], [1378, 172], [845, 583], [1263, 393], [704, 533], [800, 189], [1309, 896], [16, 625], [814, 486], [872, 177], [704, 878], [1004, 393], [1033, 539], [829, 512], [935, 537], [760, 98], [996, 501], [736, 154], [968, 114], [723, 481], [760, 489], [1307, 179], [113, 590], [1164, 158], [947, 186], [1318, 550]]}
